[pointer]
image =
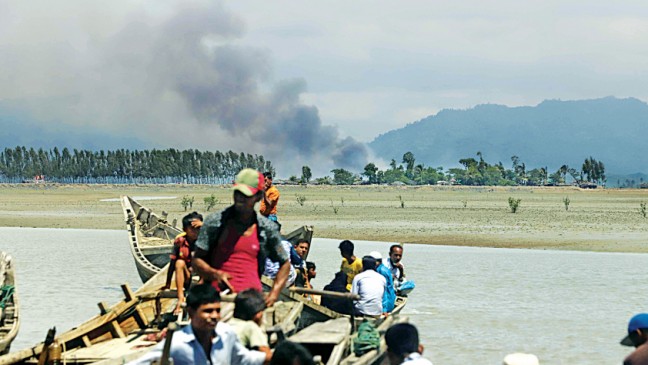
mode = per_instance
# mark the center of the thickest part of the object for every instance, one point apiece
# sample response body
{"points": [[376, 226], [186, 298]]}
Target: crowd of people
{"points": [[231, 250]]}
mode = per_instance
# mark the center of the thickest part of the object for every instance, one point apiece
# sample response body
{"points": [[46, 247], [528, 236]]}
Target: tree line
{"points": [[475, 171], [125, 166]]}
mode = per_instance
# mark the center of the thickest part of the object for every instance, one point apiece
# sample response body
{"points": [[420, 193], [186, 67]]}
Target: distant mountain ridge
{"points": [[550, 134]]}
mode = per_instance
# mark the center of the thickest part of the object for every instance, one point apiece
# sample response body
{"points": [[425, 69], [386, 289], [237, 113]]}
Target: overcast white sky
{"points": [[372, 66], [367, 66]]}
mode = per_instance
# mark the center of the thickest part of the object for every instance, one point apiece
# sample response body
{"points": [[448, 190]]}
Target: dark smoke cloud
{"points": [[221, 84], [180, 79]]}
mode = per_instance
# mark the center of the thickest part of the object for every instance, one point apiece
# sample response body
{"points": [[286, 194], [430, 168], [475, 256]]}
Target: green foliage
{"points": [[293, 179], [343, 177], [126, 166], [187, 202], [306, 174], [566, 202], [210, 202], [301, 199], [514, 204], [642, 209], [371, 171]]}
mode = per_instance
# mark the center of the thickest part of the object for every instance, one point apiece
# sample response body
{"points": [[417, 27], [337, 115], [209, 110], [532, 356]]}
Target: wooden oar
{"points": [[325, 293], [49, 338], [166, 351]]}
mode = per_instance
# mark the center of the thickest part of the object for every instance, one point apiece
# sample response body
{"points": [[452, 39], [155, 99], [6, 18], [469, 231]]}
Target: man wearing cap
{"points": [[389, 297], [233, 244], [637, 337]]}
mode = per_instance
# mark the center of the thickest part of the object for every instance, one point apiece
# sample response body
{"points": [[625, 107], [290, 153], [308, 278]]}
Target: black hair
{"points": [[202, 294], [301, 240], [310, 265], [290, 353], [346, 246], [187, 219], [402, 339], [368, 263], [392, 247], [268, 175], [248, 303]]}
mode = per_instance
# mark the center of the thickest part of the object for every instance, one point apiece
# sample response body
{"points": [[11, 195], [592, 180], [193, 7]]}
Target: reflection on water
{"points": [[471, 305]]}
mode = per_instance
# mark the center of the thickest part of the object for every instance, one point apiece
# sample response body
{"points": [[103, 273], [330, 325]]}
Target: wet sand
{"points": [[597, 220]]}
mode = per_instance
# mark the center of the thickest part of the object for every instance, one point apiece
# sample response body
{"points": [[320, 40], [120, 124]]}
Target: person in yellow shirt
{"points": [[270, 198], [351, 265]]}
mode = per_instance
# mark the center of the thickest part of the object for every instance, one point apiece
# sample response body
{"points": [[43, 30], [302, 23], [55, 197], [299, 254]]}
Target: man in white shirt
{"points": [[370, 286], [205, 340], [403, 346]]}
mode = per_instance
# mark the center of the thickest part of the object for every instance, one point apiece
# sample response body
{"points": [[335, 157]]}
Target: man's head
{"points": [[203, 305], [395, 253], [301, 247], [637, 331], [267, 179], [346, 249], [248, 187], [292, 353], [368, 263], [402, 339], [188, 228], [311, 270], [249, 305], [377, 256]]}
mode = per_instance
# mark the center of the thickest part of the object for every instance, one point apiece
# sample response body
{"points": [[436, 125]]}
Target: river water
{"points": [[471, 305]]}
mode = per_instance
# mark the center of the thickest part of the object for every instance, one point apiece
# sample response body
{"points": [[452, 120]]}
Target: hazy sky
{"points": [[294, 79]]}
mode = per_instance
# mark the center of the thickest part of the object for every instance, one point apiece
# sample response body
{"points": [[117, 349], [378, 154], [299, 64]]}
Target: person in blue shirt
{"points": [[389, 298], [206, 340]]}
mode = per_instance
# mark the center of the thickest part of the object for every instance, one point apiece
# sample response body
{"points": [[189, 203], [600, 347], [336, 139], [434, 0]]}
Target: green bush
{"points": [[514, 204]]}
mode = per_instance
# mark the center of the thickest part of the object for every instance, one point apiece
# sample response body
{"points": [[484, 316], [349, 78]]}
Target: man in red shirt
{"points": [[234, 243]]}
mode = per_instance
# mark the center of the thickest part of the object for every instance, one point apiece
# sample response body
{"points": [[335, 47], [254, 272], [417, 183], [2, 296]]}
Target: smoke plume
{"points": [[174, 77]]}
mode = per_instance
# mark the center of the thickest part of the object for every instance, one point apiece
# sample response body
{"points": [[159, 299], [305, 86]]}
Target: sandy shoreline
{"points": [[600, 220]]}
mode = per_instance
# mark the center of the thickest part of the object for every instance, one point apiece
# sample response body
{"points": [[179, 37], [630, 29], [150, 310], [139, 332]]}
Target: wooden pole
{"points": [[326, 293]]}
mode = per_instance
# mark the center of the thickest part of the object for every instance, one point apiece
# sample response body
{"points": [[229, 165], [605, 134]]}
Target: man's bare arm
{"points": [[279, 283], [205, 271]]}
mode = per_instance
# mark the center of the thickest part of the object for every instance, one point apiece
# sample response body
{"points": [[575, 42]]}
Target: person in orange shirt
{"points": [[270, 198]]}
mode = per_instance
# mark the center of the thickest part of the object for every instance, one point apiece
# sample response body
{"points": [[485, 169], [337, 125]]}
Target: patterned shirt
{"points": [[269, 237]]}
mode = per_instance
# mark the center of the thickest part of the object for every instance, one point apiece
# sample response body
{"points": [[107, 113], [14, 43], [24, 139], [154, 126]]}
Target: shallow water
{"points": [[471, 305]]}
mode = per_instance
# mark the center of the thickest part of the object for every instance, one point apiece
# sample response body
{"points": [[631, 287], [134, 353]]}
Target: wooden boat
{"points": [[122, 332], [326, 333], [9, 305], [151, 237]]}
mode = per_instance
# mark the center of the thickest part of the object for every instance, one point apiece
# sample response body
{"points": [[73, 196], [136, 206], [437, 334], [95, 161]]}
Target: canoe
{"points": [[9, 305], [122, 332], [151, 237]]}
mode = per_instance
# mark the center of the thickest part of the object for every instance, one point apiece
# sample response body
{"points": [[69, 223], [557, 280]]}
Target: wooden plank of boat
{"points": [[9, 304], [130, 315]]}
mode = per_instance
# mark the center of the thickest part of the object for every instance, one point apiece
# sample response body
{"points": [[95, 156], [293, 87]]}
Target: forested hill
{"points": [[550, 134]]}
